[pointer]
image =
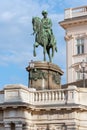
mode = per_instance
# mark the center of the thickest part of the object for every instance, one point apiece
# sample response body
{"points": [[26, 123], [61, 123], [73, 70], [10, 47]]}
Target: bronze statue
{"points": [[44, 35], [47, 25]]}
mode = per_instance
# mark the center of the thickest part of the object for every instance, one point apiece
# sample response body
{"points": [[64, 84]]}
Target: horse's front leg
{"points": [[34, 51], [44, 52], [50, 57]]}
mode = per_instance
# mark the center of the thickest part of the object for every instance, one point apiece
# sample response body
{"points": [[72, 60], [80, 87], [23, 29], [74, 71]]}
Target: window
{"points": [[12, 126], [79, 75], [80, 45]]}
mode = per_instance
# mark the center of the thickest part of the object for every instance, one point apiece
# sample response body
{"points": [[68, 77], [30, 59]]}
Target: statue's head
{"points": [[44, 12]]}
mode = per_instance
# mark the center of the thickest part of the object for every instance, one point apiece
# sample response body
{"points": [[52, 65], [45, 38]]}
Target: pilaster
{"points": [[7, 126], [18, 126], [26, 126]]}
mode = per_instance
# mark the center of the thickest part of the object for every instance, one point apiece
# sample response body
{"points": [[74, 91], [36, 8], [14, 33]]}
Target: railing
{"points": [[43, 97], [60, 96], [48, 97], [75, 12], [70, 95]]}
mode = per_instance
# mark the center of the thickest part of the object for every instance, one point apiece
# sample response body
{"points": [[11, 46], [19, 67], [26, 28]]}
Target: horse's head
{"points": [[36, 22]]}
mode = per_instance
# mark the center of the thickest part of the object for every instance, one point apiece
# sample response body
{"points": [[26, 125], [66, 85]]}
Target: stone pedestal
{"points": [[44, 75]]}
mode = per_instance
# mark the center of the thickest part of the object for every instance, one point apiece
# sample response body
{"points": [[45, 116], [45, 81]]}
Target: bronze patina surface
{"points": [[44, 36]]}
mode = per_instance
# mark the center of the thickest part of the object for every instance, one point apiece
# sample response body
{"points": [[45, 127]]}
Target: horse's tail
{"points": [[55, 45], [56, 49]]}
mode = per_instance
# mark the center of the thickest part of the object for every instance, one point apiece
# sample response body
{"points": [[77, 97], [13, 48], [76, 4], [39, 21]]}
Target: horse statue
{"points": [[41, 38]]}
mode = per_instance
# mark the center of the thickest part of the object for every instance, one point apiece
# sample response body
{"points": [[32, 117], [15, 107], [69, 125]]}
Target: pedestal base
{"points": [[44, 75]]}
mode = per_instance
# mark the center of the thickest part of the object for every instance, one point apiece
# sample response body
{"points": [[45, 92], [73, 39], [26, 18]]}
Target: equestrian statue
{"points": [[44, 35]]}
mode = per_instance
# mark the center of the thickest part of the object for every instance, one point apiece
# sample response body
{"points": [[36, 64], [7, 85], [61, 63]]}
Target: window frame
{"points": [[80, 45], [79, 76]]}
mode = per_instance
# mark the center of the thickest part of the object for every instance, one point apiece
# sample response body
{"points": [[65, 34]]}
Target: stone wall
{"points": [[22, 108]]}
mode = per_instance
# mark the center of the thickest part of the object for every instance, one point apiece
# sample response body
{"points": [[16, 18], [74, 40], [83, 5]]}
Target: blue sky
{"points": [[16, 41]]}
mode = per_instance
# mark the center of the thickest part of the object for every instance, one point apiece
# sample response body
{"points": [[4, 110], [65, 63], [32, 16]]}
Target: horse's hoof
{"points": [[34, 54], [44, 59]]}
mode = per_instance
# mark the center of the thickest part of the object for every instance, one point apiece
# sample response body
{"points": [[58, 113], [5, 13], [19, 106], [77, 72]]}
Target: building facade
{"points": [[23, 108], [75, 25]]}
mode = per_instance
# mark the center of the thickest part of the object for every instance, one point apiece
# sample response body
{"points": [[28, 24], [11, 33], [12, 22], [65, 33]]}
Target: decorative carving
{"points": [[36, 74], [68, 37], [81, 35], [56, 78], [43, 74]]}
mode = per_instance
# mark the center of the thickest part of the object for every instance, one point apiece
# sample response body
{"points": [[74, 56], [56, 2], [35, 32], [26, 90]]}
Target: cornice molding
{"points": [[73, 22]]}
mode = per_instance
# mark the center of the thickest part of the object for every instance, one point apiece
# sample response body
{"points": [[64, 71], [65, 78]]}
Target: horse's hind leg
{"points": [[48, 52], [53, 48], [44, 56]]}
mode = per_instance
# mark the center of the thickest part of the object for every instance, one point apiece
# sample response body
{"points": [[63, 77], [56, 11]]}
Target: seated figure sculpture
{"points": [[47, 25]]}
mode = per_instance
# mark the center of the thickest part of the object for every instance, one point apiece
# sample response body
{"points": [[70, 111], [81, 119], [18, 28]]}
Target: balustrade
{"points": [[75, 12], [42, 97], [50, 96]]}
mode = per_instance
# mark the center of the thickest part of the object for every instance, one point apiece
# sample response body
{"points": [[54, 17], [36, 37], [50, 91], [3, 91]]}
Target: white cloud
{"points": [[6, 16], [24, 19]]}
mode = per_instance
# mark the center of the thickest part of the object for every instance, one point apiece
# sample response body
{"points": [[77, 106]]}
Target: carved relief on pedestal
{"points": [[44, 75], [56, 78], [36, 74]]}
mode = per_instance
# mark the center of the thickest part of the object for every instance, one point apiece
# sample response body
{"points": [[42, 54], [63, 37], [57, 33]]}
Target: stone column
{"points": [[7, 126], [26, 126], [18, 126]]}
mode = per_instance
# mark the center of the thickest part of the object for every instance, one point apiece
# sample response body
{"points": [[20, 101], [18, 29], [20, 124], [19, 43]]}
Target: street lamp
{"points": [[82, 70], [31, 64]]}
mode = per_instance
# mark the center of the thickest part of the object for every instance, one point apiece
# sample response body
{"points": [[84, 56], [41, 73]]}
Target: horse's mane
{"points": [[36, 18]]}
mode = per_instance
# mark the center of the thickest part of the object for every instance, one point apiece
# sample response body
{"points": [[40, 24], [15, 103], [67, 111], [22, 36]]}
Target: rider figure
{"points": [[47, 25]]}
